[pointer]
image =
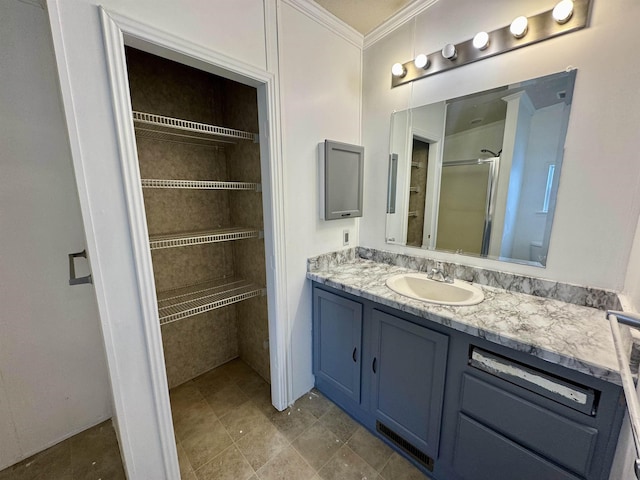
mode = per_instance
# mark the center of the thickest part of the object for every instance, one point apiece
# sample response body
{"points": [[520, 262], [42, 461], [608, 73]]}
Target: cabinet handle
{"points": [[353, 355], [374, 365]]}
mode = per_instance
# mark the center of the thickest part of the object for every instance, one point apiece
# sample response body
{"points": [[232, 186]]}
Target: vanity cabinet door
{"points": [[409, 367], [337, 344]]}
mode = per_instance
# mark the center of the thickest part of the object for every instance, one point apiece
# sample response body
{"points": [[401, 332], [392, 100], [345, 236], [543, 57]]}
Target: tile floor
{"points": [[227, 429], [90, 455]]}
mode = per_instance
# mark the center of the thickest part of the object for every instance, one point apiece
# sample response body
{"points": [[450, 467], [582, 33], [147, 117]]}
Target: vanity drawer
{"points": [[564, 392], [482, 454], [553, 436]]}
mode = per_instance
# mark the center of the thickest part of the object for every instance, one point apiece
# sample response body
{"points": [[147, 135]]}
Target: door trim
{"points": [[118, 30]]}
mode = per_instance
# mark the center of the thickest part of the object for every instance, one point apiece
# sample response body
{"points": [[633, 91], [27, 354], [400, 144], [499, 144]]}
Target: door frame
{"points": [[118, 31]]}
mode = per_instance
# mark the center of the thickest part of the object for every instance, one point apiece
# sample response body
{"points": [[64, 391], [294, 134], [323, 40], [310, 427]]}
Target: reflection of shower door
{"points": [[465, 209]]}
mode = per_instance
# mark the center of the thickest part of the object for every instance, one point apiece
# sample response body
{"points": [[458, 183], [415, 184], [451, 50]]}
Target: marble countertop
{"points": [[570, 335]]}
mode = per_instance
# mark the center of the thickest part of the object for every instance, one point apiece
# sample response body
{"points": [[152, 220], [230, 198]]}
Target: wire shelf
{"points": [[195, 299], [197, 238], [159, 127], [199, 184]]}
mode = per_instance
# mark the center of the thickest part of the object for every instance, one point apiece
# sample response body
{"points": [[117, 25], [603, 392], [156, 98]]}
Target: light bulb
{"points": [[481, 40], [449, 52], [519, 27], [398, 70], [421, 61], [563, 11]]}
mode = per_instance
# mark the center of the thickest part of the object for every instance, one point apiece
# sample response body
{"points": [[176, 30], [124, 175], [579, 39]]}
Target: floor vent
{"points": [[421, 457]]}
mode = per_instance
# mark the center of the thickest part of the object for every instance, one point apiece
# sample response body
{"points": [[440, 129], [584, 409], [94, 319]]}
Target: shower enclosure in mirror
{"points": [[478, 175]]}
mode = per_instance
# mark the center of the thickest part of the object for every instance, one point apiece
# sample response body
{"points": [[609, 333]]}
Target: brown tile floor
{"points": [[226, 429], [90, 455]]}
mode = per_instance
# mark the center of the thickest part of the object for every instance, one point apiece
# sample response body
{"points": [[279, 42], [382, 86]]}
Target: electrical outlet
{"points": [[346, 237]]}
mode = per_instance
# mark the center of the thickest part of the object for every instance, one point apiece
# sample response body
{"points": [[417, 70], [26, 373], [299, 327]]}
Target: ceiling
{"points": [[363, 15], [483, 108]]}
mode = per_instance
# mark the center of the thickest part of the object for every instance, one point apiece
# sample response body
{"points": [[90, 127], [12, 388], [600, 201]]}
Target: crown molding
{"points": [[327, 19], [396, 21]]}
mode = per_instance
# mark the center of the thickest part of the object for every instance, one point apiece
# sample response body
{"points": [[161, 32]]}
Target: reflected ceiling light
{"points": [[421, 61], [519, 27], [563, 11], [481, 40], [398, 70], [449, 51]]}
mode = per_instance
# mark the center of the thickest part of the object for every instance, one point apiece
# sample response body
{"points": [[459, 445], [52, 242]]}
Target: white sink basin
{"points": [[420, 287]]}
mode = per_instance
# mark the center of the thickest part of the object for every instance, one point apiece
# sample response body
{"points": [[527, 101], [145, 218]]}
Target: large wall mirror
{"points": [[478, 175]]}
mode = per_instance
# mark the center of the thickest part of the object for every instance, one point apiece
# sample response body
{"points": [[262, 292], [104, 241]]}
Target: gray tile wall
{"points": [[243, 162], [197, 344]]}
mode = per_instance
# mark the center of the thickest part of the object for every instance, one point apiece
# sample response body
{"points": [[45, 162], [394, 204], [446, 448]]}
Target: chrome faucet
{"points": [[438, 274]]}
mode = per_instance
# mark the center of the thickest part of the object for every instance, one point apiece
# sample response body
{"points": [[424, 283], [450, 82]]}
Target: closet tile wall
{"points": [[196, 344], [240, 112]]}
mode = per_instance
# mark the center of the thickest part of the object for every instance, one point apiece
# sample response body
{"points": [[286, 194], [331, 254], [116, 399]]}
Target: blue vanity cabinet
{"points": [[409, 368], [337, 346], [521, 418], [456, 405]]}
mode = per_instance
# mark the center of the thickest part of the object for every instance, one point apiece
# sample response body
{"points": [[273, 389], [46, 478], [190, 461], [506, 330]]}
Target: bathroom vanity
{"points": [[517, 386]]}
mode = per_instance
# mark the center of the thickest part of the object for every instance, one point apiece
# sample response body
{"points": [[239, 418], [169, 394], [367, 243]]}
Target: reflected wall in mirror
{"points": [[478, 175]]}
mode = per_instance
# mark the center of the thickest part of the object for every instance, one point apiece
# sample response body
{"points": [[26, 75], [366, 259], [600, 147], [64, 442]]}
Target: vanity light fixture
{"points": [[519, 27], [481, 40], [567, 16], [449, 51], [398, 70], [563, 11], [421, 61]]}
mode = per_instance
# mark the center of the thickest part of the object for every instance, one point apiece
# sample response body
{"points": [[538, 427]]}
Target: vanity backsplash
{"points": [[574, 294]]}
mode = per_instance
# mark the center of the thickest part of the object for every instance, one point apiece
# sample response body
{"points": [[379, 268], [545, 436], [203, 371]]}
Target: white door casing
{"points": [[130, 319]]}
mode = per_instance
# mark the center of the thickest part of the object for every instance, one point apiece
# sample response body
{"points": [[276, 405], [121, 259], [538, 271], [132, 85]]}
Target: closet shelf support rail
{"points": [[157, 242], [158, 124], [633, 404], [185, 302], [199, 184]]}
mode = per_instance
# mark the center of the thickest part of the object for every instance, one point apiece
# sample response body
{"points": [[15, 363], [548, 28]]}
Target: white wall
{"points": [[320, 98], [598, 201], [544, 134], [53, 375], [235, 28], [466, 145], [320, 74], [626, 453], [632, 282]]}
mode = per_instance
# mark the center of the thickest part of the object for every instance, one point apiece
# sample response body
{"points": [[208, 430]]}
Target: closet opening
{"points": [[199, 159]]}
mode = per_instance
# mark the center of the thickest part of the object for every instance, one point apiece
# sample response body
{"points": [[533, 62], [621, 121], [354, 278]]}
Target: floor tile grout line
{"points": [[384, 466], [233, 445], [243, 455], [255, 472], [317, 420], [344, 443]]}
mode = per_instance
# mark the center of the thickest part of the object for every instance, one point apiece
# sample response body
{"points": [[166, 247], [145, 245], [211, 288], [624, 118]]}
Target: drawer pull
{"points": [[353, 355], [374, 365]]}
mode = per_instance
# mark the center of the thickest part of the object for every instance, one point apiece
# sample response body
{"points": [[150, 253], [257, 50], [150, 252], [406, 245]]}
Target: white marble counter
{"points": [[574, 336]]}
